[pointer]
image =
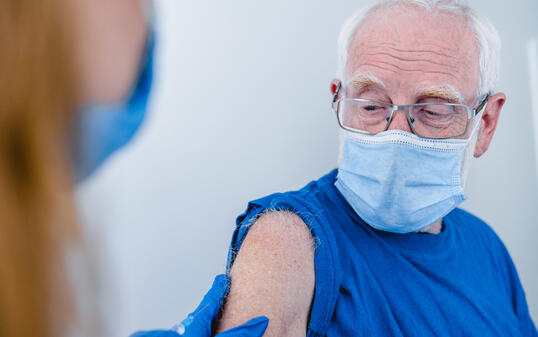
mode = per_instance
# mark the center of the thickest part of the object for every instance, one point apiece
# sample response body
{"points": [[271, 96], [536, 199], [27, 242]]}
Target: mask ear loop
{"points": [[476, 125], [471, 142]]}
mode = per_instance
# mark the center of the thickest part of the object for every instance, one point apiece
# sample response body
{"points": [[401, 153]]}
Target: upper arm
{"points": [[273, 276]]}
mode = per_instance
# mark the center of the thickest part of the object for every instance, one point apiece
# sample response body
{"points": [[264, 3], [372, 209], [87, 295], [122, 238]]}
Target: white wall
{"points": [[241, 110]]}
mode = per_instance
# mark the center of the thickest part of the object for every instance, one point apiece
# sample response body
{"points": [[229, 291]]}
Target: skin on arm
{"points": [[273, 275]]}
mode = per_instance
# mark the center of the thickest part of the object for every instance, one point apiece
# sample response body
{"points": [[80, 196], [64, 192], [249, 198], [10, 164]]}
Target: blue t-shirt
{"points": [[461, 282]]}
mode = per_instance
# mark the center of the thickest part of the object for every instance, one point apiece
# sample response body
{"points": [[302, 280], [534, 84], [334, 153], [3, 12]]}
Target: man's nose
{"points": [[399, 121]]}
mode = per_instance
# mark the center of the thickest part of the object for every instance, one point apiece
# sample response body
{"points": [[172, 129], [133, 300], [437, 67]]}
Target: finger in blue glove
{"points": [[199, 322]]}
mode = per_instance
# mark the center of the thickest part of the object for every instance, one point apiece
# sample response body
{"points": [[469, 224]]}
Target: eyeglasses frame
{"points": [[470, 112]]}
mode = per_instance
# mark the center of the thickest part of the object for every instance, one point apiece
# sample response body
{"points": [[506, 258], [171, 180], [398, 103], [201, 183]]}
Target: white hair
{"points": [[488, 40]]}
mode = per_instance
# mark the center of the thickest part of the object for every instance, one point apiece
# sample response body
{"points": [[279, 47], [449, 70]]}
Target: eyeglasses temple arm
{"points": [[481, 105], [336, 93]]}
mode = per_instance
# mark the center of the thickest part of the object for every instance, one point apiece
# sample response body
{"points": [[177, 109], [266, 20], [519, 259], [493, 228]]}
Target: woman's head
{"points": [[56, 56]]}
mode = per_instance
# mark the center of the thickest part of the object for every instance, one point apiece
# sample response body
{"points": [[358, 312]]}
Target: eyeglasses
{"points": [[427, 120]]}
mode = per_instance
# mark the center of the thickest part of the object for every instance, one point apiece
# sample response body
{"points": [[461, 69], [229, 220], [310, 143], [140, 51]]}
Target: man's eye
{"points": [[439, 111], [372, 107], [432, 113]]}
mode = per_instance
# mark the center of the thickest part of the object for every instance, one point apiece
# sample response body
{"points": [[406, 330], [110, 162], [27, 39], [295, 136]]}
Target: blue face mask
{"points": [[399, 182], [104, 128]]}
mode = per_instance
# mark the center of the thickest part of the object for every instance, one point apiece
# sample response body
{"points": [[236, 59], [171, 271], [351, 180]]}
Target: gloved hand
{"points": [[199, 323]]}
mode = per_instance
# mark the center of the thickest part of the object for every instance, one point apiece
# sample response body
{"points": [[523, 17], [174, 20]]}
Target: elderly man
{"points": [[378, 247]]}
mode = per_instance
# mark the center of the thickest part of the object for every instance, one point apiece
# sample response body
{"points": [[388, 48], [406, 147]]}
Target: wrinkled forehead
{"points": [[412, 42]]}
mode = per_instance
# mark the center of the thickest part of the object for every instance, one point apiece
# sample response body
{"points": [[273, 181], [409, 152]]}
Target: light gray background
{"points": [[240, 110]]}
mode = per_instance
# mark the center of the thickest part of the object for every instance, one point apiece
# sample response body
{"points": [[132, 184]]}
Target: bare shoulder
{"points": [[273, 275]]}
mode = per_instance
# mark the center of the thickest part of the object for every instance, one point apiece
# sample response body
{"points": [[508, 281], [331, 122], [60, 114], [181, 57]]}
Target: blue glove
{"points": [[199, 323]]}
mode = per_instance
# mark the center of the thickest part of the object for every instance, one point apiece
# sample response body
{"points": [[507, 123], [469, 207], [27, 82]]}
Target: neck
{"points": [[434, 228]]}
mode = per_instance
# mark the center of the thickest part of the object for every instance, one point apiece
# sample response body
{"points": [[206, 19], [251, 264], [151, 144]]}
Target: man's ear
{"points": [[488, 123]]}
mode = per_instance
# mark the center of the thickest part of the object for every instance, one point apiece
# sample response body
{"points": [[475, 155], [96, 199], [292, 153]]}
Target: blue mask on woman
{"points": [[104, 128], [398, 182]]}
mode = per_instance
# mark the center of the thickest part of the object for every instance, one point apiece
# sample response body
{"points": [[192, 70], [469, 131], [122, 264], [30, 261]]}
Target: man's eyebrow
{"points": [[360, 81], [447, 92]]}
